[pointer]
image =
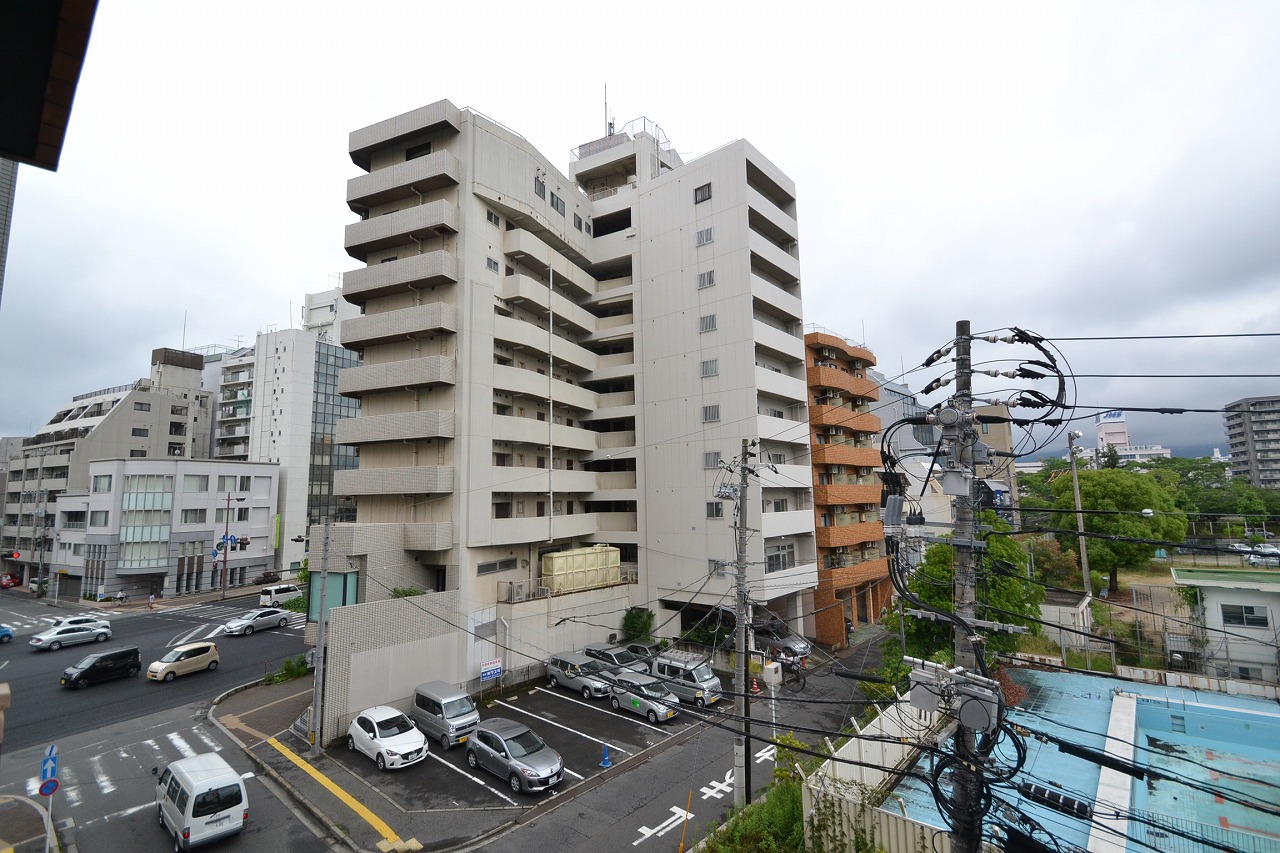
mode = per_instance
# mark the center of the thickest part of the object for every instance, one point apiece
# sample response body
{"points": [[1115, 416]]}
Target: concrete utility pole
{"points": [[967, 837], [741, 796], [1075, 490], [317, 690]]}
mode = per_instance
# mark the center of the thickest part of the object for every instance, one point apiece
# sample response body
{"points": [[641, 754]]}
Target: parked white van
{"points": [[201, 799]]}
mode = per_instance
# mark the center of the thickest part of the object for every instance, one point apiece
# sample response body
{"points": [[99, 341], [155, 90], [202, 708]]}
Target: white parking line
{"points": [[609, 710], [545, 721], [475, 779]]}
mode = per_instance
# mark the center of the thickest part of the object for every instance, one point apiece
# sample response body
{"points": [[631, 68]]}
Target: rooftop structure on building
{"points": [[1253, 440], [555, 360]]}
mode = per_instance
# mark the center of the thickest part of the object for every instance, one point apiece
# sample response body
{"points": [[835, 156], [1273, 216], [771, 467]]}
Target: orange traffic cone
{"points": [[755, 687]]}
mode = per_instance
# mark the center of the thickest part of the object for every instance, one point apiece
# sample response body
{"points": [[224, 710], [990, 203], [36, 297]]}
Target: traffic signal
{"points": [[13, 555], [220, 547]]}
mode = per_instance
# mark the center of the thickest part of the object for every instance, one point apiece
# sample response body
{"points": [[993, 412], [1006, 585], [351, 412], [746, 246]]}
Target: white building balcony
{"points": [[400, 426], [402, 228], [528, 291], [431, 536], [413, 322], [790, 523], [519, 380], [409, 373], [781, 385], [403, 180], [518, 333], [429, 479], [416, 272]]}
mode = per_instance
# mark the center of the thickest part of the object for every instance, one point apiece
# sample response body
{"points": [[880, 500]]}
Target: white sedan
{"points": [[263, 617], [386, 735]]}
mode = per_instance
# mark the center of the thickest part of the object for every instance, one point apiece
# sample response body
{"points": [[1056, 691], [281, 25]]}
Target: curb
{"points": [[297, 796]]}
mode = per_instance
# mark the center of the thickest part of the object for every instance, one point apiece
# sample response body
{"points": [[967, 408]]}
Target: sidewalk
{"points": [[136, 604]]}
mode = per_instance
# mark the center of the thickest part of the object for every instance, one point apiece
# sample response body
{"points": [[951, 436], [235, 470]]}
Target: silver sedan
{"points": [[67, 635], [263, 617]]}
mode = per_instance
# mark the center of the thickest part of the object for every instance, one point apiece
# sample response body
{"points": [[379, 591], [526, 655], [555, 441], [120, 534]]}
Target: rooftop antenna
{"points": [[184, 331], [608, 123]]}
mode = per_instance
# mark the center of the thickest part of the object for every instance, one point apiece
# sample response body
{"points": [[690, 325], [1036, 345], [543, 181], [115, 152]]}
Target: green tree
{"points": [[1127, 538], [1036, 489], [1053, 566], [1110, 457], [1003, 595]]}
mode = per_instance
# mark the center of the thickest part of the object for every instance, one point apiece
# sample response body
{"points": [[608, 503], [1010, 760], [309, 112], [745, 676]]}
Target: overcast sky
{"points": [[1075, 169]]}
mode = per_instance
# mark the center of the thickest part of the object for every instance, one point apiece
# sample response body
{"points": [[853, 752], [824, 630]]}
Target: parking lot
{"points": [[580, 730]]}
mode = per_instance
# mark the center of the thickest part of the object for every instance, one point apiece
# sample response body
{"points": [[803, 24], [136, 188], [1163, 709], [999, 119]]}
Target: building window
{"points": [[711, 459], [492, 265], [706, 279], [577, 222], [702, 193], [140, 432], [137, 454], [413, 152], [492, 217], [710, 367], [195, 483], [102, 483], [492, 566], [99, 518], [779, 557], [704, 236], [246, 483], [1248, 673], [715, 509], [1244, 614], [194, 516], [586, 226], [142, 407], [711, 414], [539, 188], [227, 483], [557, 204], [707, 323]]}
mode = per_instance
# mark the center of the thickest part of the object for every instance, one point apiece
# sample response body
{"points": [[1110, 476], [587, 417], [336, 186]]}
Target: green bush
{"points": [[637, 623], [295, 605], [294, 667]]}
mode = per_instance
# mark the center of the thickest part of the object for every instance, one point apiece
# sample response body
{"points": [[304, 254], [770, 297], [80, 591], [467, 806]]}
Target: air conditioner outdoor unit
{"points": [[837, 469], [827, 353]]}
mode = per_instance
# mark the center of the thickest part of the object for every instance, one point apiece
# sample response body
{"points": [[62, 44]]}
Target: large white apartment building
{"points": [[278, 401], [1253, 438], [555, 359]]}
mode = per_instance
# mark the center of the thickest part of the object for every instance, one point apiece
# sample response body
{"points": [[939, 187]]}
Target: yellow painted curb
{"points": [[352, 803]]}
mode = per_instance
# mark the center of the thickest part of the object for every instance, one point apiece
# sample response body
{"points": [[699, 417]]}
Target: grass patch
{"points": [[294, 667]]}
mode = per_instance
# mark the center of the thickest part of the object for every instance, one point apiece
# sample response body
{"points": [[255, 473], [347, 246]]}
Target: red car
{"points": [[8, 580]]}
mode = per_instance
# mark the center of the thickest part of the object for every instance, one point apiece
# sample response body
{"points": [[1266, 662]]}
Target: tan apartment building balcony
{"points": [[530, 292], [535, 528], [416, 272], [528, 383], [846, 490], [409, 373], [844, 416], [417, 321], [846, 453], [399, 426], [519, 334], [403, 227], [855, 532], [407, 180], [838, 346], [428, 479], [440, 117], [857, 573], [532, 479], [531, 431], [827, 376]]}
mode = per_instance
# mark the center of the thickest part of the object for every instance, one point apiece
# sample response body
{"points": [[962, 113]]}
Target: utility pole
{"points": [[317, 690], [1075, 490], [741, 796], [967, 835]]}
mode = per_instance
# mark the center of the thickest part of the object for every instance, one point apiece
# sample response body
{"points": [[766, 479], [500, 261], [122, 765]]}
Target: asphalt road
{"points": [[43, 711]]}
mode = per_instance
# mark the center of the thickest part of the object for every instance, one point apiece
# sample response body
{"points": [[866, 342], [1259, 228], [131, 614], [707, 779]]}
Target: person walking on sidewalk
{"points": [[151, 601]]}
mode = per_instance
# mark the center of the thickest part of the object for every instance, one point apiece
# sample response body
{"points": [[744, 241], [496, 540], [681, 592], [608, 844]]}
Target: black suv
{"points": [[103, 666]]}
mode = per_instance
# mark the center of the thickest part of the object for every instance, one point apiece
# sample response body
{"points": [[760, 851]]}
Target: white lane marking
{"points": [[33, 786], [180, 744], [105, 785], [213, 745], [69, 785], [678, 816], [475, 779], [129, 812], [215, 632], [566, 728], [179, 639]]}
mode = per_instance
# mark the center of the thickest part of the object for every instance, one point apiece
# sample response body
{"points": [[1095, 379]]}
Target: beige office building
{"points": [[555, 360]]}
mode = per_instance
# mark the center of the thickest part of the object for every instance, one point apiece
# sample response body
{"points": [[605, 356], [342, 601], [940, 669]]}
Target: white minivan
{"points": [[201, 799], [274, 596]]}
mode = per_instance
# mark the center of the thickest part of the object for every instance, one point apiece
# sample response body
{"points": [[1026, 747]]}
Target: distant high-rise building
{"points": [[1253, 440], [8, 188], [1112, 432], [278, 401], [554, 361]]}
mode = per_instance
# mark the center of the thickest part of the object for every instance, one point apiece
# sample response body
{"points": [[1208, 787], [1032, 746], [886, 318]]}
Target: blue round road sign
{"points": [[48, 786]]}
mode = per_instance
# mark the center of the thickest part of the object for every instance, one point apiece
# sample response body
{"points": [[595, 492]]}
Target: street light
{"points": [[226, 541]]}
